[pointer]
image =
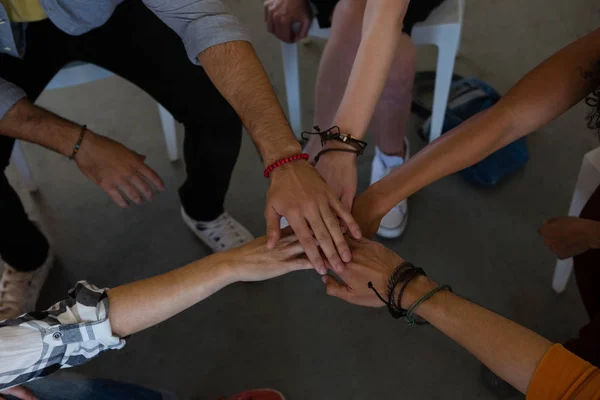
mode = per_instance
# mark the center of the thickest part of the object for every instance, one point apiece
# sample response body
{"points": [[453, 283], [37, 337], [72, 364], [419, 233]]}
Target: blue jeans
{"points": [[80, 388]]}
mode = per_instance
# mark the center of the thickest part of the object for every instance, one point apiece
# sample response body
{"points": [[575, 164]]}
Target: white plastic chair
{"points": [[76, 74], [587, 182], [442, 28]]}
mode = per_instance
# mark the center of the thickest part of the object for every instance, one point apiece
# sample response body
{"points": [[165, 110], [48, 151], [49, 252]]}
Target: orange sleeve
{"points": [[563, 375]]}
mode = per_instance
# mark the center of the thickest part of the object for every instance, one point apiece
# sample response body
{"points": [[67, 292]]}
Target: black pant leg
{"points": [[136, 45], [587, 275], [22, 245]]}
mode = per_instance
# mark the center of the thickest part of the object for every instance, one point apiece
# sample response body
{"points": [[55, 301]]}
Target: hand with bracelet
{"points": [[334, 155], [518, 355], [119, 171]]}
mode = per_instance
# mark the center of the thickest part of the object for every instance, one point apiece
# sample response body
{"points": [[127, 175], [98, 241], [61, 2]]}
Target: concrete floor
{"points": [[287, 333]]}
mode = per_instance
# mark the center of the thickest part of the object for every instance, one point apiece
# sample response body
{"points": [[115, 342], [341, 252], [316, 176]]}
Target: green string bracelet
{"points": [[409, 318]]}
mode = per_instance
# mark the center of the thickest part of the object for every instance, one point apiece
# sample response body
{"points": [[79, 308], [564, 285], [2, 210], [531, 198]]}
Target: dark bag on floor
{"points": [[469, 96]]}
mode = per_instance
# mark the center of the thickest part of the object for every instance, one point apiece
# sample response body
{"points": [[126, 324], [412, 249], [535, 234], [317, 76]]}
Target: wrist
{"points": [[226, 269], [277, 153], [86, 146], [417, 288], [290, 166]]}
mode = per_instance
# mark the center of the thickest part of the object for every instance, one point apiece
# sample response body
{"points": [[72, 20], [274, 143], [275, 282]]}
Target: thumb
{"points": [[273, 231], [334, 288]]}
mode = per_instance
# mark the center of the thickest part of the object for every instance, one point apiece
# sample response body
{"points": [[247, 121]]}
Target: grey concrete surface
{"points": [[287, 333]]}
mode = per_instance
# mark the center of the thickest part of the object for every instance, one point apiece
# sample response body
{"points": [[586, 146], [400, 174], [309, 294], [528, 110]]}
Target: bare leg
{"points": [[392, 112], [390, 120]]}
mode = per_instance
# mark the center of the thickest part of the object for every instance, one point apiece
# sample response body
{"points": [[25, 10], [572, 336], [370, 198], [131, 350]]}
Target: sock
{"points": [[389, 161]]}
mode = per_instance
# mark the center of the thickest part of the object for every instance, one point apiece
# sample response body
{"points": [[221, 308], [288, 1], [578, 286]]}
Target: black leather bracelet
{"points": [[319, 154], [334, 133]]}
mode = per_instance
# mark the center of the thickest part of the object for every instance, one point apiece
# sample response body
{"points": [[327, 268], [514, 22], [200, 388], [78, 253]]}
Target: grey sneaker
{"points": [[222, 234], [19, 291]]}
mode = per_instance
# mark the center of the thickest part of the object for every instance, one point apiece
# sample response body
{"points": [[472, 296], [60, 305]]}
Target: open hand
{"points": [[371, 262], [119, 171], [255, 262], [299, 194], [289, 20], [19, 392], [338, 169], [570, 236]]}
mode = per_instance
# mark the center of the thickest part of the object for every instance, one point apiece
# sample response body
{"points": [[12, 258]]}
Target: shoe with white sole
{"points": [[222, 234], [394, 222], [256, 394], [19, 291]]}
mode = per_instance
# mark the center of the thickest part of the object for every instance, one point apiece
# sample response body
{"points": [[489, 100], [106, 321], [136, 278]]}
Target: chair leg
{"points": [[445, 68], [168, 125], [562, 273], [18, 159], [292, 85]]}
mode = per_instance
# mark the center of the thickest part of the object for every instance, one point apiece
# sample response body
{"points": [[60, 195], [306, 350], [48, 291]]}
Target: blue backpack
{"points": [[469, 96]]}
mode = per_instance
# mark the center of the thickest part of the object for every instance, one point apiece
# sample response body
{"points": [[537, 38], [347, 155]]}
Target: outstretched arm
{"points": [[119, 171], [381, 34], [142, 304], [91, 320], [542, 95], [296, 190], [516, 354]]}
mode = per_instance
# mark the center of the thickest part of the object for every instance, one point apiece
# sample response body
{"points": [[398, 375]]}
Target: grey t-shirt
{"points": [[200, 24]]}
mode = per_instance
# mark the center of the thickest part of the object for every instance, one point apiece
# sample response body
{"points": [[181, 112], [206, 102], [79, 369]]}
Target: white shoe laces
{"points": [[14, 290], [224, 231]]}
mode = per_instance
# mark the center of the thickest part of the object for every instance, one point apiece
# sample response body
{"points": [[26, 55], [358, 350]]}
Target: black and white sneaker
{"points": [[222, 234]]}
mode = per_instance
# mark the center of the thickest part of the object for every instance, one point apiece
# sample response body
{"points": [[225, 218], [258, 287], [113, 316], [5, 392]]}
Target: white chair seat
{"points": [[78, 73]]}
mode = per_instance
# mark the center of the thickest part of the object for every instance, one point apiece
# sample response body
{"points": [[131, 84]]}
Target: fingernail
{"points": [[347, 256], [324, 279]]}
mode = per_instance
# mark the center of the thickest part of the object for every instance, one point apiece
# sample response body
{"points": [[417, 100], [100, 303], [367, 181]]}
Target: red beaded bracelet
{"points": [[279, 163]]}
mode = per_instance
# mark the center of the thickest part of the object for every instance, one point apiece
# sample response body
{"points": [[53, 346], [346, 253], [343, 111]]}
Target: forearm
{"points": [[237, 73], [510, 350], [542, 95], [381, 33], [33, 124], [142, 304]]}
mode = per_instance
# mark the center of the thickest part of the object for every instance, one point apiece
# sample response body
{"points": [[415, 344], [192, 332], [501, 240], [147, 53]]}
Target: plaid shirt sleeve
{"points": [[69, 333]]}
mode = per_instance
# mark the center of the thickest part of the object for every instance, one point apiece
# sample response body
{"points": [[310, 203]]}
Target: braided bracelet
{"points": [[319, 154], [78, 144], [409, 318], [405, 273]]}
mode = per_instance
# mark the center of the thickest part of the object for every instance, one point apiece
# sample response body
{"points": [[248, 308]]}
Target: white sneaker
{"points": [[394, 222], [19, 291], [222, 234]]}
